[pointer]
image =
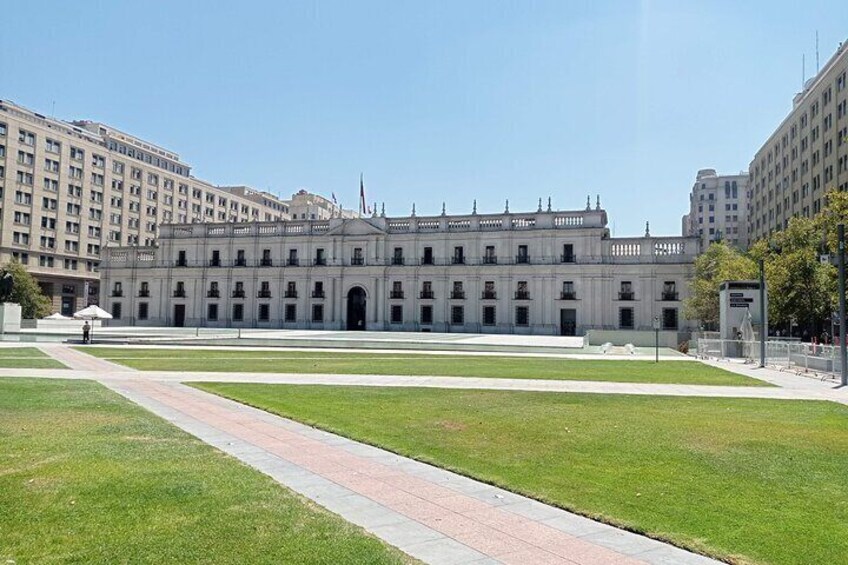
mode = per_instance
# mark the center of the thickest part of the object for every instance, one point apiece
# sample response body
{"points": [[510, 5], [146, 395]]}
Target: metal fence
{"points": [[789, 355]]}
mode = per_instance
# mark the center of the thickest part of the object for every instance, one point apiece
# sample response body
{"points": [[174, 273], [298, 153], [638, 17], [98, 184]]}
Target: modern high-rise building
{"points": [[718, 209], [71, 188], [806, 156]]}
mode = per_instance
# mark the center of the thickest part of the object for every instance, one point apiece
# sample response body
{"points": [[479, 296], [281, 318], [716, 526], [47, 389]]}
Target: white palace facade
{"points": [[544, 272]]}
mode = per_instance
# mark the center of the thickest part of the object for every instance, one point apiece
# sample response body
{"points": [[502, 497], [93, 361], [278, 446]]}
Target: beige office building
{"points": [[806, 156], [69, 189], [718, 209]]}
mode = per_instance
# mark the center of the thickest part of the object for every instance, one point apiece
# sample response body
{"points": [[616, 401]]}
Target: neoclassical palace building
{"points": [[544, 272]]}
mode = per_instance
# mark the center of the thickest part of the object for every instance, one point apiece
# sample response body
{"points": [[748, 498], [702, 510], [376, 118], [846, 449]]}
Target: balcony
{"points": [[182, 263], [426, 260], [457, 295], [240, 263], [357, 261], [117, 293], [214, 262], [522, 259], [238, 294], [293, 262], [426, 294], [568, 296], [266, 262], [567, 259], [318, 294], [395, 294], [457, 260], [489, 295], [179, 293], [213, 294], [397, 261], [320, 261], [626, 296], [263, 294], [490, 260], [291, 294], [144, 294], [522, 295], [669, 296]]}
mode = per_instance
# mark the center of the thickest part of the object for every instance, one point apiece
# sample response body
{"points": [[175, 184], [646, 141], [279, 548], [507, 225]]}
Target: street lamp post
{"points": [[843, 353], [762, 313], [656, 339]]}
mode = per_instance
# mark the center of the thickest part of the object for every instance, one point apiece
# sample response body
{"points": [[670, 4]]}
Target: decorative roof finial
{"points": [[474, 210], [647, 229], [549, 203], [588, 202], [598, 203], [413, 209], [506, 209], [383, 210], [374, 210], [443, 208], [540, 206]]}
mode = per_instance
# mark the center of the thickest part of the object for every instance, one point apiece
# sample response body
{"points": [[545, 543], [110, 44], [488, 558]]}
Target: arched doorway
{"points": [[356, 309]]}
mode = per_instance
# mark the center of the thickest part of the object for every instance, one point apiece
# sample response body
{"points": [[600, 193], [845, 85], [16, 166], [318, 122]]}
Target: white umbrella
{"points": [[92, 312], [56, 316]]}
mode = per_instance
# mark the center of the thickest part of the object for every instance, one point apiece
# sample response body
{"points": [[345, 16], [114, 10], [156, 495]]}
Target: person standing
{"points": [[86, 331]]}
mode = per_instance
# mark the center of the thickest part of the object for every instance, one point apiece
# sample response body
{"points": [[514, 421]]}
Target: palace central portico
{"points": [[543, 272]]}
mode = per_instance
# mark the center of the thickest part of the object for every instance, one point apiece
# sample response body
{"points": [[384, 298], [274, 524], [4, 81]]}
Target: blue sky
{"points": [[434, 101]]}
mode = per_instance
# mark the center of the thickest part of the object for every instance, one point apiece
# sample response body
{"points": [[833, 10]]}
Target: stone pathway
{"points": [[429, 513]]}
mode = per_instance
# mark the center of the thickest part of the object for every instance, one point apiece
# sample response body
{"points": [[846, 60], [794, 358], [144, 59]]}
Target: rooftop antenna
{"points": [[817, 52], [53, 110], [803, 71]]}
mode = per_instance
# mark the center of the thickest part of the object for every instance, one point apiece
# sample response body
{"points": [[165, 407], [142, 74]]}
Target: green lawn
{"points": [[26, 358], [88, 477], [679, 372], [747, 480]]}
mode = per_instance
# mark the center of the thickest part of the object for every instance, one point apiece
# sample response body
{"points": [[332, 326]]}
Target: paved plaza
{"points": [[431, 514]]}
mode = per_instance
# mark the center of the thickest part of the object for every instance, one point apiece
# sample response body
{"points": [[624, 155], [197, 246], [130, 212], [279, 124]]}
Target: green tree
{"points": [[26, 292], [800, 287], [717, 264]]}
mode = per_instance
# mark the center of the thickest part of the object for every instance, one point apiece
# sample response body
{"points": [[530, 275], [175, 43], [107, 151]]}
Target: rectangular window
{"points": [[142, 310], [317, 312], [458, 255], [567, 253], [428, 256], [457, 315], [427, 315], [489, 315], [116, 310], [522, 316], [396, 314], [625, 318], [238, 312], [568, 292], [669, 319], [212, 312], [291, 312], [264, 312]]}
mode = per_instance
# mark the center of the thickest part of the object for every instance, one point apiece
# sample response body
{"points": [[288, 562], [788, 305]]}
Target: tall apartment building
{"points": [[718, 209], [71, 188], [806, 156]]}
